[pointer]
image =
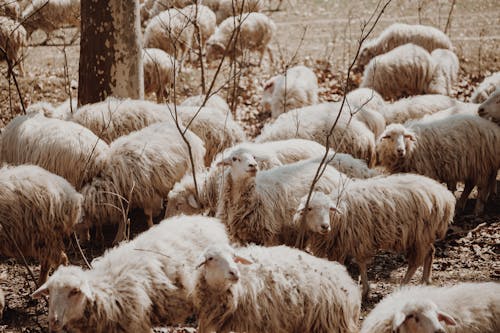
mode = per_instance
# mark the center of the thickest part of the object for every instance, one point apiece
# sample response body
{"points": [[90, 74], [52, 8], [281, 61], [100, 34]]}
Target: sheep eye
{"points": [[409, 316], [74, 292], [386, 137], [234, 159], [210, 258], [407, 136], [309, 209], [417, 319]]}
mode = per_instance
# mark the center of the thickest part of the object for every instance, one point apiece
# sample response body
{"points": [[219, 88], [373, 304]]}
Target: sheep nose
{"points": [[234, 276], [439, 331], [325, 227], [480, 111], [400, 151]]}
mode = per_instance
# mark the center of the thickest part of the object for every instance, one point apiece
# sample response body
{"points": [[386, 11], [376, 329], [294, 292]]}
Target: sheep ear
{"points": [[241, 260], [42, 291], [193, 202], [334, 209], [269, 85], [410, 135], [397, 321], [85, 289], [226, 162], [446, 318]]}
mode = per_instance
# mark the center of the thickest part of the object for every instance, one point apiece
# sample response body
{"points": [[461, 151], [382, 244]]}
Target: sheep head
{"points": [[182, 198], [317, 213], [267, 95], [214, 50], [69, 292], [219, 266], [394, 144], [242, 165], [421, 317], [490, 108]]}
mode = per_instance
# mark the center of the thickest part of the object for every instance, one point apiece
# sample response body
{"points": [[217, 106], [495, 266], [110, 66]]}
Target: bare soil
{"points": [[322, 34]]}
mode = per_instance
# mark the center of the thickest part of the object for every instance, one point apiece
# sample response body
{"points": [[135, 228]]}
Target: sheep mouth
{"points": [[252, 172], [324, 231]]}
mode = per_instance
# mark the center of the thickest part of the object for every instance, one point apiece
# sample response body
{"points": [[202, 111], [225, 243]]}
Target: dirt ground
{"points": [[322, 34]]}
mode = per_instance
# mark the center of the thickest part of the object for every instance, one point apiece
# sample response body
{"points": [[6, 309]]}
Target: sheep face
{"points": [[365, 54], [182, 199], [214, 51], [317, 214], [491, 107], [220, 269], [394, 144], [68, 296], [243, 165], [421, 317], [267, 95]]}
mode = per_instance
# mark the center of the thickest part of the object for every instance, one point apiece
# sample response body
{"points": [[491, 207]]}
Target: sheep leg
{"points": [[120, 234], [482, 197], [149, 214], [364, 278], [99, 235], [426, 275], [412, 268], [270, 53], [44, 272], [159, 95], [469, 186], [492, 181]]}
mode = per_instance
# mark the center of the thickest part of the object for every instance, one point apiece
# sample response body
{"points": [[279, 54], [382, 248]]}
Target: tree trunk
{"points": [[110, 51]]}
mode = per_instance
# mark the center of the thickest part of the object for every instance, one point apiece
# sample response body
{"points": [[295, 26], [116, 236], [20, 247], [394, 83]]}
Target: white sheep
{"points": [[416, 107], [182, 198], [237, 34], [276, 289], [462, 308], [458, 148], [490, 108], [10, 8], [39, 213], [347, 164], [170, 31], [205, 19], [114, 117], [63, 111], [400, 213], [314, 123], [447, 63], [216, 128], [13, 41], [258, 206], [50, 15], [213, 101], [296, 88], [62, 147], [139, 284], [141, 167], [399, 34], [158, 6], [160, 70], [404, 71], [367, 106], [486, 88], [228, 8]]}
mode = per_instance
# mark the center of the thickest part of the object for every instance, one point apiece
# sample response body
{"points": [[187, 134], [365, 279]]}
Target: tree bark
{"points": [[110, 51]]}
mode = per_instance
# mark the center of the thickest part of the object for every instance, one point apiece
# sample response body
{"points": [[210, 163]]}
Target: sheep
{"points": [[399, 34], [114, 117], [62, 111], [314, 123], [50, 15], [275, 289], [216, 128], [228, 8], [459, 108], [257, 206], [447, 63], [205, 19], [352, 167], [456, 148], [416, 107], [183, 199], [490, 108], [142, 167], [401, 213], [366, 106], [213, 101], [159, 6], [10, 9], [486, 88], [296, 88], [462, 308], [13, 41], [139, 284], [236, 34], [61, 147], [39, 212], [170, 31], [406, 70], [159, 72]]}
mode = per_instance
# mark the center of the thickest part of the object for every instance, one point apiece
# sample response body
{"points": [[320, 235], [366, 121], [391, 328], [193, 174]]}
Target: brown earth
{"points": [[322, 34]]}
